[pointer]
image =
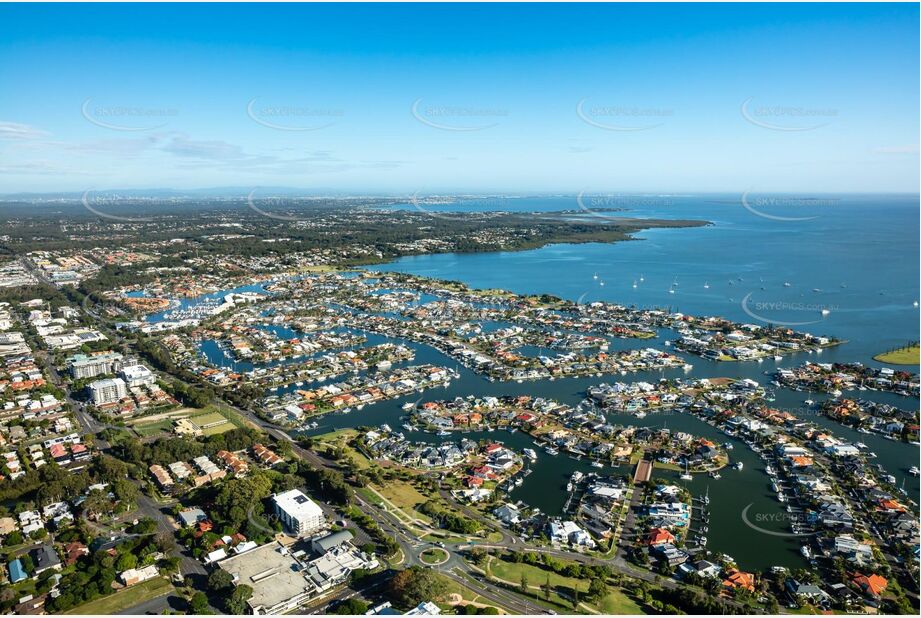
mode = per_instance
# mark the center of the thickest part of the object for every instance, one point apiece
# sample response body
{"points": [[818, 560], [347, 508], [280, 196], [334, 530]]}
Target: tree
{"points": [[13, 538], [27, 564], [126, 561], [547, 588], [415, 585], [597, 589], [523, 585], [199, 603], [219, 580], [351, 607], [236, 604]]}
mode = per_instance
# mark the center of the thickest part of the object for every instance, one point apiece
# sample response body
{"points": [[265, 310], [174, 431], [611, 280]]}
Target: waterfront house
{"points": [[738, 579]]}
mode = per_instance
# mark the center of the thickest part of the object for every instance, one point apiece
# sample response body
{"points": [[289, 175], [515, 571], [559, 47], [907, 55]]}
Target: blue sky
{"points": [[478, 98]]}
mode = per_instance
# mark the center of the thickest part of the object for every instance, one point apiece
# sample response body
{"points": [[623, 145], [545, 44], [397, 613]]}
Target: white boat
{"points": [[739, 465], [597, 464], [706, 286], [778, 357], [715, 475], [809, 402], [569, 486], [686, 477], [551, 451], [914, 471], [530, 454], [408, 405], [807, 553], [781, 497], [640, 414], [408, 427], [443, 433]]}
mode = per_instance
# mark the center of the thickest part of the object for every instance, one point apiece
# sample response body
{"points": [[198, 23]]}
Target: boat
{"points": [[739, 465], [686, 476], [778, 357], [715, 475], [781, 497], [702, 540], [408, 405], [569, 486], [728, 446], [530, 454], [551, 451], [706, 286], [634, 284], [443, 433], [408, 427], [786, 284], [809, 402], [914, 471], [640, 414], [597, 464], [807, 553]]}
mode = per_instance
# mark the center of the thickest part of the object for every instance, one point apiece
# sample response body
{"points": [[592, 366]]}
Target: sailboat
{"points": [[595, 276], [634, 283], [706, 285], [687, 475]]}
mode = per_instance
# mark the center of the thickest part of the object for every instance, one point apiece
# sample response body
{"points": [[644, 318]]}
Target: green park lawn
{"points": [[904, 356], [123, 599]]}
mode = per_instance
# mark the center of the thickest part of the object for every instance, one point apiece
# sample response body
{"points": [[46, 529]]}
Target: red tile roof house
{"points": [[872, 585], [73, 552], [659, 536]]}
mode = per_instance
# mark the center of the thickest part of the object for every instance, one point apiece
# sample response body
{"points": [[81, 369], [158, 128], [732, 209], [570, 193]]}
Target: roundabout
{"points": [[433, 556]]}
